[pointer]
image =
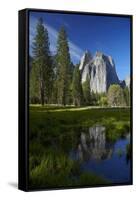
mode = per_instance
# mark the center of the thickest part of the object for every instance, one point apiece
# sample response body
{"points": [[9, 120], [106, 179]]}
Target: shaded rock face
{"points": [[123, 84], [101, 71]]}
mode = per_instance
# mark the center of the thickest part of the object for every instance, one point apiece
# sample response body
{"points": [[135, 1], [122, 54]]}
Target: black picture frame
{"points": [[23, 122]]}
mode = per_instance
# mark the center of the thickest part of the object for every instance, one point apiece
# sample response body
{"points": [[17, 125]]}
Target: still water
{"points": [[101, 156]]}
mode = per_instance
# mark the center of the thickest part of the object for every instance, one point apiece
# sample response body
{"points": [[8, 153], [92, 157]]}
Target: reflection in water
{"points": [[101, 156], [93, 145], [80, 152]]}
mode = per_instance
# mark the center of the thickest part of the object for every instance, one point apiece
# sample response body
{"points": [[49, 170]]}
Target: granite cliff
{"points": [[101, 70]]}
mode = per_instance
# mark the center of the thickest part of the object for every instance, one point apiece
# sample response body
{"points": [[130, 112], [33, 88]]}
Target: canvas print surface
{"points": [[79, 100]]}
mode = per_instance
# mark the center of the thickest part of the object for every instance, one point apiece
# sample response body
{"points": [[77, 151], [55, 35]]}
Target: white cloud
{"points": [[75, 51]]}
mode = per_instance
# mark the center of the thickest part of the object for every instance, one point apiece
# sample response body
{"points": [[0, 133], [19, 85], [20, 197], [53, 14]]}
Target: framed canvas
{"points": [[75, 99]]}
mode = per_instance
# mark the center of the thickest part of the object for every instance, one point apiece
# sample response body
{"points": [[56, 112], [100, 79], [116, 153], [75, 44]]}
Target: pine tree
{"points": [[86, 91], [42, 72], [34, 84], [54, 86], [77, 88], [72, 67], [63, 68]]}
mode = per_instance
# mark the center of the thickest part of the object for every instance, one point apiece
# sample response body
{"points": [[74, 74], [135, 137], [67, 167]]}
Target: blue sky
{"points": [[108, 34]]}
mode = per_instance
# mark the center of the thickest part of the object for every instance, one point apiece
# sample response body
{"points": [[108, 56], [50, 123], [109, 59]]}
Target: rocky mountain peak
{"points": [[101, 70], [85, 59], [99, 54]]}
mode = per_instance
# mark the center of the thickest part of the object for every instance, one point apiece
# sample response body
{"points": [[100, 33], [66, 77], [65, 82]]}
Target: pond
{"points": [[79, 156], [105, 158]]}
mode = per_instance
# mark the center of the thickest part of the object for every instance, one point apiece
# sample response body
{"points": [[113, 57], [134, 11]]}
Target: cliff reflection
{"points": [[93, 145]]}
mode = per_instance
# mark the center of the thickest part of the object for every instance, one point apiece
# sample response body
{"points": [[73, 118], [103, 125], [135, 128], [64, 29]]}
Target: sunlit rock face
{"points": [[84, 65], [93, 144], [101, 71], [86, 58]]}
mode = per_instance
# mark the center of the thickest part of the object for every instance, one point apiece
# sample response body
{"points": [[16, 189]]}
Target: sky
{"points": [[108, 34]]}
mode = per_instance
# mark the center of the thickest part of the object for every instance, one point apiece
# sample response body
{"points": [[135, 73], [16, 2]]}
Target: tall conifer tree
{"points": [[77, 88], [87, 91], [42, 72], [63, 68]]}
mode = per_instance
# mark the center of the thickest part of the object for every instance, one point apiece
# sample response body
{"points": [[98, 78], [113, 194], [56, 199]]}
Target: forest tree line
{"points": [[56, 80]]}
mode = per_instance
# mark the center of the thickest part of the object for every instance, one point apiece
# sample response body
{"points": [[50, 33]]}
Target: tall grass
{"points": [[59, 171]]}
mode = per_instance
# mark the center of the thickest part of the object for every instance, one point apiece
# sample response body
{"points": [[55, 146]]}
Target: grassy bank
{"points": [[76, 117], [53, 122]]}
